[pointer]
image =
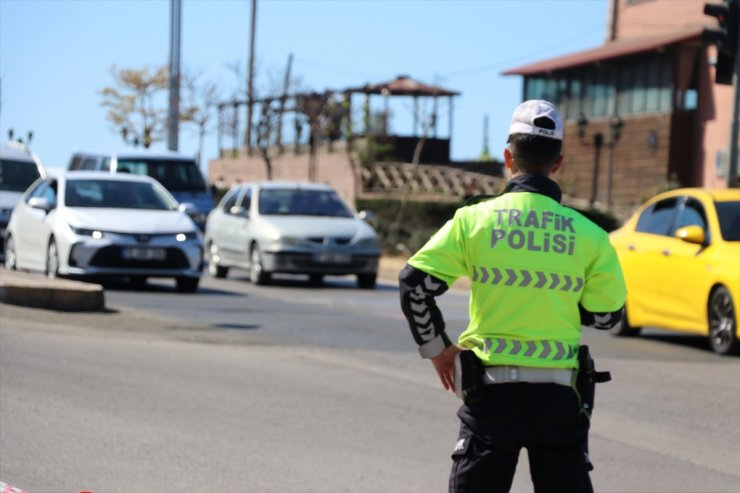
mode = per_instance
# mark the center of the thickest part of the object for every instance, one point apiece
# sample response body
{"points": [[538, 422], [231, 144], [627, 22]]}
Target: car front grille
{"points": [[111, 256], [329, 240]]}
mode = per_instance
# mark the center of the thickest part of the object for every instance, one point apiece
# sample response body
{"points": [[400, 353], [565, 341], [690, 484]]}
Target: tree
{"points": [[197, 107], [132, 104], [427, 123], [267, 130]]}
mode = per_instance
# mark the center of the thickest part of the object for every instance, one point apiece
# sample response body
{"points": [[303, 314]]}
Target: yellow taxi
{"points": [[680, 253]]}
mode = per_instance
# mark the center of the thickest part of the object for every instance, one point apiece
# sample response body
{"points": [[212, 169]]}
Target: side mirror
{"points": [[188, 208], [239, 211], [691, 234], [40, 203], [366, 216]]}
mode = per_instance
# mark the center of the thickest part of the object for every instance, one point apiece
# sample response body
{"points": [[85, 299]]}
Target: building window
{"points": [[630, 86], [550, 89], [638, 89]]}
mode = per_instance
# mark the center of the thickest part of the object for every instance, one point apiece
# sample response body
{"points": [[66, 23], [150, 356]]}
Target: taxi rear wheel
{"points": [[722, 322], [623, 328]]}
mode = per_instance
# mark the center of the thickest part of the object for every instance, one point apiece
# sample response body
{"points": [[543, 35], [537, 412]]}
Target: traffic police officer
{"points": [[539, 271]]}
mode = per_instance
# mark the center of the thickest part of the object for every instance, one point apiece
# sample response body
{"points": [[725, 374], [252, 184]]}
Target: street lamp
{"points": [[615, 125]]}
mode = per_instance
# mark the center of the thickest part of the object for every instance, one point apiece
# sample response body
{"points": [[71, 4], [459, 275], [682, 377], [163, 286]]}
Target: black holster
{"points": [[587, 379], [470, 376]]}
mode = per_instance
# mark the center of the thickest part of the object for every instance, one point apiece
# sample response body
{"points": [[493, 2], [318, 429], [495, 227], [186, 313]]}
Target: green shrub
{"points": [[420, 221], [605, 219]]}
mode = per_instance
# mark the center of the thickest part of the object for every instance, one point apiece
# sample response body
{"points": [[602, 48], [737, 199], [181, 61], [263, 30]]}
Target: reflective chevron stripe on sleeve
{"points": [[417, 290]]}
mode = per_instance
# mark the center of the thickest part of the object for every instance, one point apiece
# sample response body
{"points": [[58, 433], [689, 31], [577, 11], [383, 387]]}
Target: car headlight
{"points": [[92, 233], [190, 235]]}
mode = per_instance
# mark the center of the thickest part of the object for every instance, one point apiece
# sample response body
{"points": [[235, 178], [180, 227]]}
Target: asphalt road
{"points": [[290, 388]]}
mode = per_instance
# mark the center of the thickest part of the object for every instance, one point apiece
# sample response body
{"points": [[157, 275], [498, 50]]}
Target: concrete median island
{"points": [[38, 291]]}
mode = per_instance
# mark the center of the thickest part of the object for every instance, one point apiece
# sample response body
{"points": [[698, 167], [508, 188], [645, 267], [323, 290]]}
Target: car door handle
{"points": [[631, 247], [667, 253]]}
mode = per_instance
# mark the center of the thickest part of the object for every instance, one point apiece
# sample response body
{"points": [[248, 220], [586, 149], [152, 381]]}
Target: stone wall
{"points": [[332, 167]]}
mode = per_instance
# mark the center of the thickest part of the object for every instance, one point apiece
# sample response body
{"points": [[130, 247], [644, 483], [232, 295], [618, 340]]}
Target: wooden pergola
{"points": [[403, 85]]}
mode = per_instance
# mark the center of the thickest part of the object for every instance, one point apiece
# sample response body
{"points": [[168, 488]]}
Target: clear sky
{"points": [[55, 57]]}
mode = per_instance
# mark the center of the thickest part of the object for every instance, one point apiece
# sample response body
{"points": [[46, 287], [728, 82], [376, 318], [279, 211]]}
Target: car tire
{"points": [[138, 281], [11, 261], [257, 272], [315, 279], [623, 328], [187, 284], [722, 320], [367, 281], [214, 268], [52, 260]]}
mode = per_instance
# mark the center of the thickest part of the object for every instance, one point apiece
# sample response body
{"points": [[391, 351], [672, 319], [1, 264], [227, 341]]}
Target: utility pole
{"points": [[732, 174], [485, 136], [250, 81], [283, 98], [173, 116], [726, 37]]}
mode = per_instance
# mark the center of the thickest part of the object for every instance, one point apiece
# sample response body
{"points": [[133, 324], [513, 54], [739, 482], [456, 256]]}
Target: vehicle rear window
{"points": [[174, 175], [17, 176], [728, 214]]}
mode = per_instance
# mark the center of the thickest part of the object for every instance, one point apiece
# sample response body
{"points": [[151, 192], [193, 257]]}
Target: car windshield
{"points": [[728, 214], [174, 175], [17, 176], [116, 194], [302, 202]]}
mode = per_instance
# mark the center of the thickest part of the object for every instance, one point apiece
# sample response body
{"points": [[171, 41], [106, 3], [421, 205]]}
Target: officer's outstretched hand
{"points": [[444, 363]]}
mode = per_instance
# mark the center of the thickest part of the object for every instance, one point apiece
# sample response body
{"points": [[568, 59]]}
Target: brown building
{"points": [[642, 111]]}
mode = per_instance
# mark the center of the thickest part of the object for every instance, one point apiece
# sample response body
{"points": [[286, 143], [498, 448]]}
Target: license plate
{"points": [[137, 253], [333, 258]]}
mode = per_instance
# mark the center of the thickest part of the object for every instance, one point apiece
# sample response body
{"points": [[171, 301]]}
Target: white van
{"points": [[178, 173], [19, 168]]}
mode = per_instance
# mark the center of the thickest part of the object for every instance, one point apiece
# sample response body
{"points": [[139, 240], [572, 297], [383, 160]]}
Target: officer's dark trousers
{"points": [[500, 419]]}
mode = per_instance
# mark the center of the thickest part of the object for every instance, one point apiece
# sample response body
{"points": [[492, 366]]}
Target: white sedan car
{"points": [[104, 225], [290, 227]]}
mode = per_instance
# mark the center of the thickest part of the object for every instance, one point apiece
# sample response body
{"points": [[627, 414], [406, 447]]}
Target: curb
{"points": [[37, 291]]}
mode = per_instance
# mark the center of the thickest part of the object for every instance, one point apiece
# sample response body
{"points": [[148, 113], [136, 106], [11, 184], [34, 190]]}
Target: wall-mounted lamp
{"points": [[652, 140], [615, 125]]}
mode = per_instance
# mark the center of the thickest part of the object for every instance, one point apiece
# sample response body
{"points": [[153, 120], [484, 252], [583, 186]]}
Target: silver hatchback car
{"points": [[290, 227]]}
